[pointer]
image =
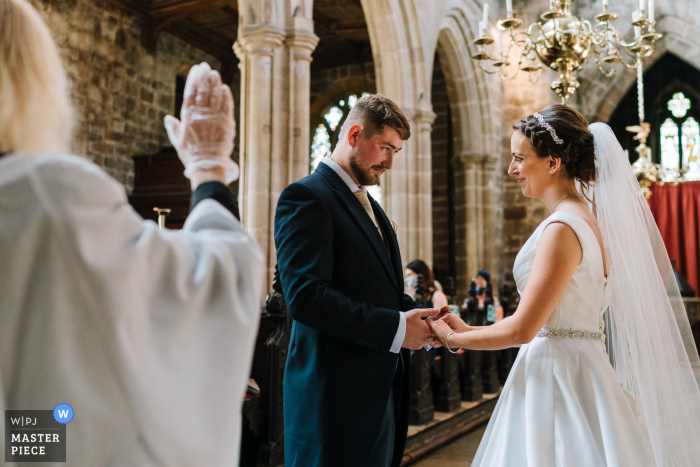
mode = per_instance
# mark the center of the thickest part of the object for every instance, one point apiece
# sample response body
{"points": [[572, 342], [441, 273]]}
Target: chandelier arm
{"points": [[532, 37], [520, 42], [600, 67], [537, 76], [505, 77], [588, 26], [481, 65], [625, 45], [602, 35], [626, 64]]}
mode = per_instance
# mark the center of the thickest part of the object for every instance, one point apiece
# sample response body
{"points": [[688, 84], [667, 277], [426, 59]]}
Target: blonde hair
{"points": [[35, 110]]}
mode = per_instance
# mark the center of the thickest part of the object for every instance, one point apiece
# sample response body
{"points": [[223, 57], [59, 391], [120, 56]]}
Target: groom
{"points": [[346, 383]]}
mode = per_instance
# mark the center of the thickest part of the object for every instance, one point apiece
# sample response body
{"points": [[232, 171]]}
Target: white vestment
{"points": [[147, 334]]}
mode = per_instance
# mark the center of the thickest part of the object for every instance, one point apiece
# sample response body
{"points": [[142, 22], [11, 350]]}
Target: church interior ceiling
{"points": [[210, 25]]}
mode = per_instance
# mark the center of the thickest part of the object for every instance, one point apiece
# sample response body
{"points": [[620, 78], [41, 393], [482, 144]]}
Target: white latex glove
{"points": [[204, 137]]}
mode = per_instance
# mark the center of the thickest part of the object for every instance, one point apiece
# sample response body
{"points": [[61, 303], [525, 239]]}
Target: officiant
{"points": [[146, 334]]}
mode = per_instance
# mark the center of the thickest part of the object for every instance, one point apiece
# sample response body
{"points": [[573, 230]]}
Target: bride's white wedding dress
{"points": [[563, 404]]}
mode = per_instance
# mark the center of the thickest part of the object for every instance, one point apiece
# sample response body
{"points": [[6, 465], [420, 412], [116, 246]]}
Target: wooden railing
{"points": [[440, 380]]}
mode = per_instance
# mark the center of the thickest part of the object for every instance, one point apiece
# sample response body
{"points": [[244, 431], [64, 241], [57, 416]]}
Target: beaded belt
{"points": [[571, 333]]}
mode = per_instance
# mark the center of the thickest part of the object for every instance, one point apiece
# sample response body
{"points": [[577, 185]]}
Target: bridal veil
{"points": [[650, 343]]}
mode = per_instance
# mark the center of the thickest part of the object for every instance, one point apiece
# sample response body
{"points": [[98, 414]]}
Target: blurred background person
{"points": [[148, 334], [482, 280], [434, 298]]}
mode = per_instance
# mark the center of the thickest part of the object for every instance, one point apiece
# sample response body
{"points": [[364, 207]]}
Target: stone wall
{"points": [[121, 93], [521, 215]]}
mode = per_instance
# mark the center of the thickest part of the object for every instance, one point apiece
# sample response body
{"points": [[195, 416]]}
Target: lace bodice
{"points": [[586, 298]]}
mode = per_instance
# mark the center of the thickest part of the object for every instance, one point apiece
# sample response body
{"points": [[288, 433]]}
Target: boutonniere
{"points": [[394, 226]]}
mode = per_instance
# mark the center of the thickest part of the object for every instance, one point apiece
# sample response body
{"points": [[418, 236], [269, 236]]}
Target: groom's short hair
{"points": [[374, 112]]}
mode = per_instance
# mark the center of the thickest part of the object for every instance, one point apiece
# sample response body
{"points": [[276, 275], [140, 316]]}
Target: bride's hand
{"points": [[455, 323], [440, 330]]}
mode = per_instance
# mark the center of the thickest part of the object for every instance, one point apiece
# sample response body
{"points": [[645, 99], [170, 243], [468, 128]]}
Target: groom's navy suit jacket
{"points": [[344, 290]]}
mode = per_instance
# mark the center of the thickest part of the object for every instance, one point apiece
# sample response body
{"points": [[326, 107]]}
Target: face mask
{"points": [[411, 281], [480, 290]]}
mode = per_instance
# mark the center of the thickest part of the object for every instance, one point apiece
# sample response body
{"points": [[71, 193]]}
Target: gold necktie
{"points": [[364, 200]]}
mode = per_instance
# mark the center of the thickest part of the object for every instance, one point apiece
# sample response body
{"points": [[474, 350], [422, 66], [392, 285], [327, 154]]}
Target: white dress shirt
{"points": [[401, 331]]}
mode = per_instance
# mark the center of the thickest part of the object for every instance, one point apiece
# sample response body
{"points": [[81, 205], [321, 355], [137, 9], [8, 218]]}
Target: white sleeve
{"points": [[180, 309], [400, 334]]}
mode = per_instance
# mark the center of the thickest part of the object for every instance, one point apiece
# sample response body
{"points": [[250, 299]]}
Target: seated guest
{"points": [[146, 334], [434, 297]]}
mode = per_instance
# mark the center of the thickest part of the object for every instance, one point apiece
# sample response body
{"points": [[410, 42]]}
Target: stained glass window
{"points": [[680, 138], [321, 146], [679, 105], [691, 147], [326, 137], [334, 116], [669, 144]]}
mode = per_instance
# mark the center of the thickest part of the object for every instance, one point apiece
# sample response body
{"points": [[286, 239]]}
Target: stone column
{"points": [[423, 228], [274, 126], [407, 190], [301, 44], [257, 50], [469, 217], [491, 259]]}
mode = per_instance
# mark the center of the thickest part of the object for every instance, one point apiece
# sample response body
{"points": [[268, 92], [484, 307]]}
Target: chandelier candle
{"points": [[509, 8], [486, 15], [651, 10]]}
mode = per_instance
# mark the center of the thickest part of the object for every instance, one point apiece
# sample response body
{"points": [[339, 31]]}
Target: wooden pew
{"points": [[262, 441]]}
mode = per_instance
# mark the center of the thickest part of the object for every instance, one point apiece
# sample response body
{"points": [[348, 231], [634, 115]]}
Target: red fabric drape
{"points": [[676, 210]]}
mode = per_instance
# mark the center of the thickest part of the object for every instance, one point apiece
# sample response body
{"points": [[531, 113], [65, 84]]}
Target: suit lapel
{"points": [[354, 207], [388, 257], [391, 241]]}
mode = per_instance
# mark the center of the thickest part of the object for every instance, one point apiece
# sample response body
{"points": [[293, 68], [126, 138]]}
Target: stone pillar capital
{"points": [[258, 41], [490, 163], [424, 116], [470, 158], [302, 43]]}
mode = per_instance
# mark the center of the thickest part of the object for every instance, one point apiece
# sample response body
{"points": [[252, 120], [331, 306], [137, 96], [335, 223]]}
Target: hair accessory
{"points": [[548, 127]]}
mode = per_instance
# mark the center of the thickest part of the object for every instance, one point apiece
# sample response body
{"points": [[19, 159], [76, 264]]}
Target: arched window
{"points": [[326, 137], [672, 104], [679, 136]]}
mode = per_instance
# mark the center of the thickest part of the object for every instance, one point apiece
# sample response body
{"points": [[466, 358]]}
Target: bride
{"points": [[588, 388]]}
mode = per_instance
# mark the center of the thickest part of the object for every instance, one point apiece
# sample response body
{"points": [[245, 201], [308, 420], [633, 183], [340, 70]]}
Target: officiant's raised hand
{"points": [[203, 138]]}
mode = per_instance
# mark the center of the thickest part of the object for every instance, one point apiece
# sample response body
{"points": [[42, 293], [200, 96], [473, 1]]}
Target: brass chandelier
{"points": [[563, 42]]}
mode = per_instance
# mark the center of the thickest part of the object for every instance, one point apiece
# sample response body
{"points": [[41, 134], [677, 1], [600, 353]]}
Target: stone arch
{"points": [[474, 100], [403, 46], [400, 72]]}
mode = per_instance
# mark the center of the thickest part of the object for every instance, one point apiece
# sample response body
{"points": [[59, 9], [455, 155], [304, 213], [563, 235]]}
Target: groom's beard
{"points": [[366, 177]]}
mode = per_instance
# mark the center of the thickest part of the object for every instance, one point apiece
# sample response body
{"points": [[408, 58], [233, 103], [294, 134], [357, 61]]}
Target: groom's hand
{"points": [[418, 333]]}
